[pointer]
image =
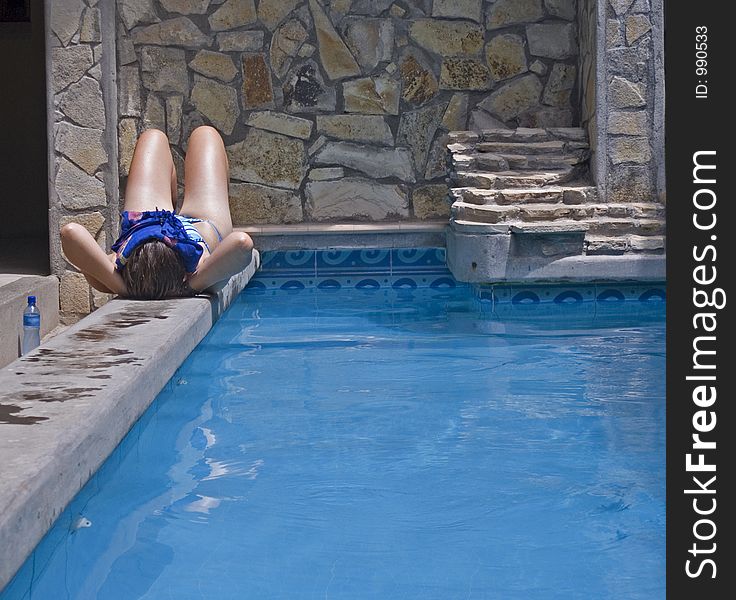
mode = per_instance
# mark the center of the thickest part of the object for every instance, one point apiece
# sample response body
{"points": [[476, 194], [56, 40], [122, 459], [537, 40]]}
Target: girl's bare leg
{"points": [[152, 174], [206, 197], [151, 185], [206, 183]]}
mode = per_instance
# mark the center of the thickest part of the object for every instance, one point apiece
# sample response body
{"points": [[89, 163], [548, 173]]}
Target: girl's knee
{"points": [[243, 241], [205, 130], [153, 136], [70, 231], [207, 133]]}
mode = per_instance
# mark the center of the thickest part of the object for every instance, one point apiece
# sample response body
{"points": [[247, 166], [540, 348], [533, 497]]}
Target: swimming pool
{"points": [[351, 441]]}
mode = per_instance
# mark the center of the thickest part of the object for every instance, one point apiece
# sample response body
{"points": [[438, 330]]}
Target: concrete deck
{"points": [[65, 406]]}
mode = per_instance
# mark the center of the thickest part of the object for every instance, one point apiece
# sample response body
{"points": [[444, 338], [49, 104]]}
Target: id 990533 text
{"points": [[701, 61]]}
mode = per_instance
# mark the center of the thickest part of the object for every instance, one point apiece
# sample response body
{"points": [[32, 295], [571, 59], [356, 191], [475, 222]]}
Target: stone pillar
{"points": [[630, 101], [82, 99]]}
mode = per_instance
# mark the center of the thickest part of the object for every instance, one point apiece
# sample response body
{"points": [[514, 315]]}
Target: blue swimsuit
{"points": [[176, 231], [192, 232]]}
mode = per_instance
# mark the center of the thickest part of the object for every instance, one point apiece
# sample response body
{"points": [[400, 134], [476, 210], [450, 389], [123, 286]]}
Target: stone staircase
{"points": [[535, 182]]}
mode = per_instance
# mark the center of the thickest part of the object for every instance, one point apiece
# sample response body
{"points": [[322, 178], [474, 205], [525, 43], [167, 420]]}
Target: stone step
{"points": [[622, 244], [648, 243], [519, 228], [552, 194], [514, 179], [571, 134], [604, 218], [633, 210], [505, 162], [542, 212], [482, 163], [525, 149], [640, 227], [542, 162], [522, 134], [556, 227], [462, 226], [554, 147], [513, 158], [490, 213]]}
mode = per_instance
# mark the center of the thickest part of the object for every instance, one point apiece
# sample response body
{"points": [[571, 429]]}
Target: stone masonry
{"points": [[340, 110], [629, 166], [82, 142], [326, 104]]}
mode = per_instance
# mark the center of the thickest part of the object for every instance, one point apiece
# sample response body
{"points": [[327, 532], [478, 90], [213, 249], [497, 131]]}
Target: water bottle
{"points": [[31, 326]]}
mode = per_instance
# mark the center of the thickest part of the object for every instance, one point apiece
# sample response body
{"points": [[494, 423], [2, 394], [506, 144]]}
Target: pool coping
{"points": [[78, 395], [312, 236]]}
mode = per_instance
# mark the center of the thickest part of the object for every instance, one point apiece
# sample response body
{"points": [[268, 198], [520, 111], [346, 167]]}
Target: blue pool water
{"points": [[386, 444]]}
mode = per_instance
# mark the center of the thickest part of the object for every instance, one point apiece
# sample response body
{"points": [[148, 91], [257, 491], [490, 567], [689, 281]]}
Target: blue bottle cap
{"points": [[31, 300]]}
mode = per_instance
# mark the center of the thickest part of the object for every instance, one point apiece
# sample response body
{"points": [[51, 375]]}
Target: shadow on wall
{"points": [[23, 144]]}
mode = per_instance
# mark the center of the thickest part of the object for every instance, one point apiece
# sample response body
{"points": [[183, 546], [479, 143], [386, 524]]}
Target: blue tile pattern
{"points": [[354, 262], [298, 263], [366, 269], [411, 268], [597, 293], [412, 259]]}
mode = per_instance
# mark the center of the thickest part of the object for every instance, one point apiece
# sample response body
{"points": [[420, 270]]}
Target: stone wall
{"points": [[631, 105], [81, 131], [338, 110]]}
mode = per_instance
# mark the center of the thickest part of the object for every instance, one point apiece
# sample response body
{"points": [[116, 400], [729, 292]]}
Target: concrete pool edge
{"points": [[72, 400]]}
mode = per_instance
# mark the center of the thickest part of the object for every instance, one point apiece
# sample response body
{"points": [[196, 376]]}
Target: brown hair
{"points": [[155, 271]]}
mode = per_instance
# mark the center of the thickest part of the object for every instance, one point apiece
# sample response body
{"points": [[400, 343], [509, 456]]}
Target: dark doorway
{"points": [[24, 204]]}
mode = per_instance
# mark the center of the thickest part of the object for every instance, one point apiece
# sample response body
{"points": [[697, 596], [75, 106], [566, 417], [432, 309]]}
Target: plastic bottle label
{"points": [[31, 320]]}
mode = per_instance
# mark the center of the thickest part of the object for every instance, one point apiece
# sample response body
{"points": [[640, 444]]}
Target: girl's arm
{"points": [[84, 253], [231, 256]]}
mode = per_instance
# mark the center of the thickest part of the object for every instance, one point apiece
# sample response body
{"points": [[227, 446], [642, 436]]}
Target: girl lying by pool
{"points": [[161, 253]]}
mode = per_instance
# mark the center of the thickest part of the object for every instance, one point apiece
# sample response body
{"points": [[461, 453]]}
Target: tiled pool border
{"points": [[409, 268], [41, 483]]}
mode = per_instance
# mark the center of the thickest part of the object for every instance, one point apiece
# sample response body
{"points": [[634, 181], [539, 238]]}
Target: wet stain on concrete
{"points": [[88, 358], [118, 351], [57, 393], [8, 414], [60, 394], [91, 358], [109, 329]]}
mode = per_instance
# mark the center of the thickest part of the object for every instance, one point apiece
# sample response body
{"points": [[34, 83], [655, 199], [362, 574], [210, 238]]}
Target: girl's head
{"points": [[155, 271]]}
